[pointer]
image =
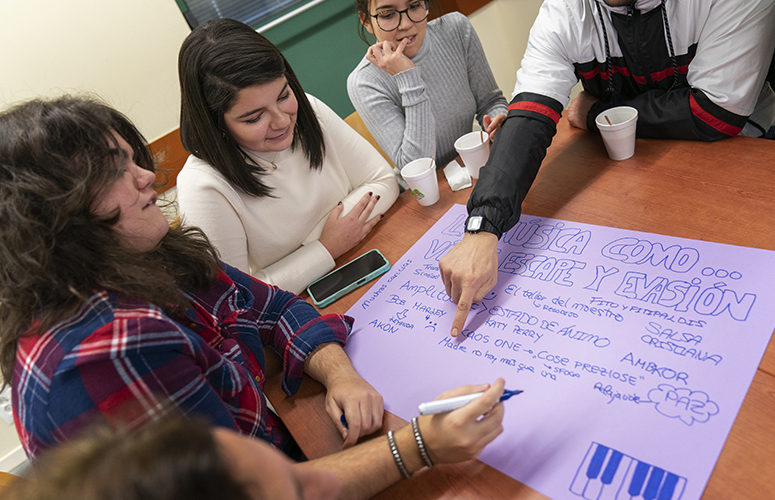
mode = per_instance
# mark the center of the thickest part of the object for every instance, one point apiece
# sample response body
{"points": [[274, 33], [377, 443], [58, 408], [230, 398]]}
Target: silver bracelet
{"points": [[420, 444], [397, 456]]}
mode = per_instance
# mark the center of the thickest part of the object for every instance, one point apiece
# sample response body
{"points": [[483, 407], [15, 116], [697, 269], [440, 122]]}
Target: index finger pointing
{"points": [[463, 308]]}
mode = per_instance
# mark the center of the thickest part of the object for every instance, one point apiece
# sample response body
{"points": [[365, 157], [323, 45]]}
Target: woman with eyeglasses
{"points": [[420, 86]]}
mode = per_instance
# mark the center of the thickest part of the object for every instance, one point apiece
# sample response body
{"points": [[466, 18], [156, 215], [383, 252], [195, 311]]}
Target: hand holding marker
{"points": [[450, 404]]}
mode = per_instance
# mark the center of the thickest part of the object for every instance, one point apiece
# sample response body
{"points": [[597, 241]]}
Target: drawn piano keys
{"points": [[608, 474]]}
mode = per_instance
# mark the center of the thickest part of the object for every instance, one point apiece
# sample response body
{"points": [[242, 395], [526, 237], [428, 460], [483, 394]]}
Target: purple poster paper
{"points": [[634, 351]]}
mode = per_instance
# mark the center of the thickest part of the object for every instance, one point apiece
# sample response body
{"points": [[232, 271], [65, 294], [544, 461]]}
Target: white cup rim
{"points": [[429, 168], [616, 113], [476, 146]]}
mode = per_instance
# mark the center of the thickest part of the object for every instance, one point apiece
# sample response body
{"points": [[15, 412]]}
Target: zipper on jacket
{"points": [[634, 27]]}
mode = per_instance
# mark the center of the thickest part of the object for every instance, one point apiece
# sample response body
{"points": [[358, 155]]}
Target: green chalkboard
{"points": [[323, 47]]}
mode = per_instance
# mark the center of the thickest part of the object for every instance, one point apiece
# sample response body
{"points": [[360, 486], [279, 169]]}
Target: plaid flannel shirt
{"points": [[120, 360]]}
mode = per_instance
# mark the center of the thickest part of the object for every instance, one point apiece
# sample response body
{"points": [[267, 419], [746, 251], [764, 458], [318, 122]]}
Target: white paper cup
{"points": [[421, 177], [619, 137], [473, 151]]}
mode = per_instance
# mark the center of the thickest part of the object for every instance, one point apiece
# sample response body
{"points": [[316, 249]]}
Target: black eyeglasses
{"points": [[390, 20]]}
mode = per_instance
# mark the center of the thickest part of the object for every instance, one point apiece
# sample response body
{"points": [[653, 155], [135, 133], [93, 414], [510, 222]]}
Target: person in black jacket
{"points": [[694, 69]]}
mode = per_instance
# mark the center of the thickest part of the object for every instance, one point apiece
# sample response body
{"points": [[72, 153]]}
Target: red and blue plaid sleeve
{"points": [[128, 364], [119, 360], [287, 324]]}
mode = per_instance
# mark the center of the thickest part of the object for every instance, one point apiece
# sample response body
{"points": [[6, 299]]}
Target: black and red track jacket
{"points": [[721, 49]]}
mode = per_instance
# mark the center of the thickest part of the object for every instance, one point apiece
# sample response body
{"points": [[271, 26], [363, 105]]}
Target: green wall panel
{"points": [[323, 47]]}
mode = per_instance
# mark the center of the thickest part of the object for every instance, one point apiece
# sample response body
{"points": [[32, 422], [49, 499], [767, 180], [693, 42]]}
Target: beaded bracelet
{"points": [[397, 456], [420, 443]]}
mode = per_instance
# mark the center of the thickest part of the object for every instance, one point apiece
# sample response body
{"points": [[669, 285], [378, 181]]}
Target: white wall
{"points": [[126, 52], [123, 50], [503, 27]]}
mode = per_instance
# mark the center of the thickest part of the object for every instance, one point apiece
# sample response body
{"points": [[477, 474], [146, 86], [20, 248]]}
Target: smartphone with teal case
{"points": [[347, 278]]}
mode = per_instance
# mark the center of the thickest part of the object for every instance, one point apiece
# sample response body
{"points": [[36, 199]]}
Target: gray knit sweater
{"points": [[420, 112]]}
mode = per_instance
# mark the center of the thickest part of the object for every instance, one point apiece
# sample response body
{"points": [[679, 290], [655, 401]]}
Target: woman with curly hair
{"points": [[105, 310], [110, 317]]}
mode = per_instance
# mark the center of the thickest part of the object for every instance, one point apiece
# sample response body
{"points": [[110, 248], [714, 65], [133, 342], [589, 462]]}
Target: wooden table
{"points": [[722, 192]]}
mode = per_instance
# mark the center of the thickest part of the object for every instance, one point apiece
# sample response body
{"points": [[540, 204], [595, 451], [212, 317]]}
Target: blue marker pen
{"points": [[449, 404], [343, 420]]}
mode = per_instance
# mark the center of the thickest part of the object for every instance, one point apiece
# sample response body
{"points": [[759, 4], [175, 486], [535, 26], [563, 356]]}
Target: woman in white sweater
{"points": [[277, 181]]}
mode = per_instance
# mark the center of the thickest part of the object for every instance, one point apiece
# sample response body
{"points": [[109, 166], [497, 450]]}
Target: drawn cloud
{"points": [[681, 403]]}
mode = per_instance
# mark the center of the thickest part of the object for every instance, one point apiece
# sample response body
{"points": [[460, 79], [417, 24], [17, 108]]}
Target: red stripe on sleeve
{"points": [[711, 120], [536, 108]]}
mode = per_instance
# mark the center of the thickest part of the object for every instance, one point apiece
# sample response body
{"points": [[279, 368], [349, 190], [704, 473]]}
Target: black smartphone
{"points": [[347, 278]]}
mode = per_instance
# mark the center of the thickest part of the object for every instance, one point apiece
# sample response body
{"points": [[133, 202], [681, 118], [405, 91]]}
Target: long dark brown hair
{"points": [[56, 157], [217, 60]]}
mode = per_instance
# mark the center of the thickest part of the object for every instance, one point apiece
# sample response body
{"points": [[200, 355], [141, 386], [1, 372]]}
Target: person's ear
{"points": [[366, 22]]}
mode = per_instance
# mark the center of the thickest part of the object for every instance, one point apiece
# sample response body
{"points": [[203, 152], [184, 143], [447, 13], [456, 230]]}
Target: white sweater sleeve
{"points": [[298, 269], [366, 169], [210, 203]]}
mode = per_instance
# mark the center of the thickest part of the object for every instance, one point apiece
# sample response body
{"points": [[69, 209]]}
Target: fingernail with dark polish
{"points": [[378, 197]]}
